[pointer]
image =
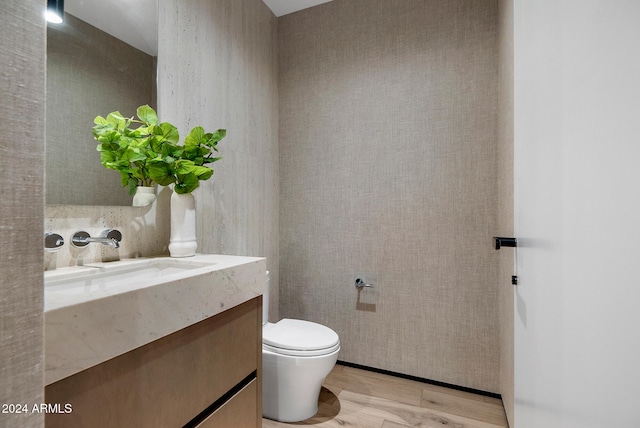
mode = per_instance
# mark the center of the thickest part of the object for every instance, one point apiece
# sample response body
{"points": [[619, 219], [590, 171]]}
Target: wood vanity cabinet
{"points": [[207, 375]]}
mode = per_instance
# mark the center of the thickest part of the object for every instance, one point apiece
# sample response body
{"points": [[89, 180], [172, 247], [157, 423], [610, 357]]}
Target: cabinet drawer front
{"points": [[167, 382], [240, 411]]}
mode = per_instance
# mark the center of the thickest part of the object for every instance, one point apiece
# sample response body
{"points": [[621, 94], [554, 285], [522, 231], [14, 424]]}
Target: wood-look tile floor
{"points": [[359, 398]]}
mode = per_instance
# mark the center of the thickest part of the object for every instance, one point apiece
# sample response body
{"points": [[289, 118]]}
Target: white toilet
{"points": [[296, 357]]}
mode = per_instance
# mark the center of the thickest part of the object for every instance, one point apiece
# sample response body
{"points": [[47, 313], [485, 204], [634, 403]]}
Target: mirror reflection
{"points": [[89, 73]]}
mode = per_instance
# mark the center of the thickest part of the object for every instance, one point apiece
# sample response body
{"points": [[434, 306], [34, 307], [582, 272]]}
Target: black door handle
{"points": [[505, 242]]}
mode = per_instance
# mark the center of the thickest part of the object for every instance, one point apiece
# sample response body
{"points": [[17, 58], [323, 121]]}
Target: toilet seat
{"points": [[299, 338]]}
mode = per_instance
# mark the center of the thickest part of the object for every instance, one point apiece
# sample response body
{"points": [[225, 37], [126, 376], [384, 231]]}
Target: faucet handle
{"points": [[113, 234], [53, 242], [80, 239]]}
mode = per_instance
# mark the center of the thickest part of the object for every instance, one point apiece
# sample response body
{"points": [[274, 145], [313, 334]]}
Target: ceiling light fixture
{"points": [[55, 11]]}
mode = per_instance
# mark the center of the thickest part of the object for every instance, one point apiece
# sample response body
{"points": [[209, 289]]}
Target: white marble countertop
{"points": [[86, 325]]}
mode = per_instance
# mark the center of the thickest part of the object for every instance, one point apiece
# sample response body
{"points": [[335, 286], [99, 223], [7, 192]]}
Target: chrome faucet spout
{"points": [[110, 237], [112, 242]]}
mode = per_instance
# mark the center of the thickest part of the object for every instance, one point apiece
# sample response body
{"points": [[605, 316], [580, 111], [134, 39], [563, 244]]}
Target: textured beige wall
{"points": [[505, 201], [22, 89], [217, 67], [388, 157], [89, 73]]}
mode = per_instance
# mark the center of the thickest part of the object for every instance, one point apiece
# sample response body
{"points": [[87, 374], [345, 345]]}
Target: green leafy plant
{"points": [[151, 154]]}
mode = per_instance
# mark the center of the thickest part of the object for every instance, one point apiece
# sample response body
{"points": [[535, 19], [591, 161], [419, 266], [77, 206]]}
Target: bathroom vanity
{"points": [[179, 347]]}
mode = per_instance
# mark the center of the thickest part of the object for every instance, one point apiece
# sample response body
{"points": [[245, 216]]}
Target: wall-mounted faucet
{"points": [[110, 237]]}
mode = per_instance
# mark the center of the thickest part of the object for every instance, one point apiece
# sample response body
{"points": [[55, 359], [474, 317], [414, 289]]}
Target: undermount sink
{"points": [[97, 280], [96, 312]]}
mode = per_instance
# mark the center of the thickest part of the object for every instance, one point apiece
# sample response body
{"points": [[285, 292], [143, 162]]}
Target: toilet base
{"points": [[291, 385]]}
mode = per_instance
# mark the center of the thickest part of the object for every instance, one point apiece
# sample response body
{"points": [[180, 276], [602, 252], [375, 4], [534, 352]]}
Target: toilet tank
{"points": [[265, 301]]}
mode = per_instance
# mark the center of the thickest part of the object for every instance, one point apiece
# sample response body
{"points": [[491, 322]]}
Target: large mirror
{"points": [[102, 58]]}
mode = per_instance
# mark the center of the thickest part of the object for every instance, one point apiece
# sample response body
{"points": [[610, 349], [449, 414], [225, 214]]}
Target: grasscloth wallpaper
{"points": [[217, 67], [22, 90], [388, 156]]}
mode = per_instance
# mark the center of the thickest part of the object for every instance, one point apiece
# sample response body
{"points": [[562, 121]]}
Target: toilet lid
{"points": [[298, 335]]}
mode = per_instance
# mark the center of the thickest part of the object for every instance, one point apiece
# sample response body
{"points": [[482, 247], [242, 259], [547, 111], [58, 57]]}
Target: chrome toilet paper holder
{"points": [[360, 284]]}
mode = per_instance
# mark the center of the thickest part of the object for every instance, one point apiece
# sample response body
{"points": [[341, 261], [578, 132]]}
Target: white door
{"points": [[577, 213]]}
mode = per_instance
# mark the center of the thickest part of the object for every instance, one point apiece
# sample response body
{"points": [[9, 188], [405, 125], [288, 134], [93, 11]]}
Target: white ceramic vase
{"points": [[144, 196], [183, 225]]}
